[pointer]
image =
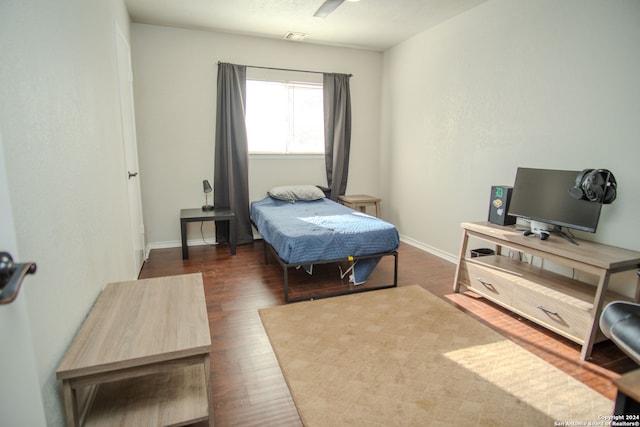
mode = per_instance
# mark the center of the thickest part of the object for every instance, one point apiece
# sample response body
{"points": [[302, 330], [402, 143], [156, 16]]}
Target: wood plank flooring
{"points": [[246, 382]]}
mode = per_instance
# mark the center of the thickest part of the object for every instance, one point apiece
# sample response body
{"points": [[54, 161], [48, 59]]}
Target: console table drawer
{"points": [[564, 318], [487, 281]]}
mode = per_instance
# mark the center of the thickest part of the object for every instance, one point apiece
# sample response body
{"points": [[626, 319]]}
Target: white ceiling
{"points": [[369, 24]]}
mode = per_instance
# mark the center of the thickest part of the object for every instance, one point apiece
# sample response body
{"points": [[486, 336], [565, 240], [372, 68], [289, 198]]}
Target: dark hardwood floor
{"points": [[246, 383]]}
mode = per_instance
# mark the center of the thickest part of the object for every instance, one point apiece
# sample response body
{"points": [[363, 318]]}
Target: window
{"points": [[284, 117]]}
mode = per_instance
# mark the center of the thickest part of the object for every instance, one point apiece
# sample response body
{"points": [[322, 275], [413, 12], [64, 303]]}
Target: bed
{"points": [[303, 228]]}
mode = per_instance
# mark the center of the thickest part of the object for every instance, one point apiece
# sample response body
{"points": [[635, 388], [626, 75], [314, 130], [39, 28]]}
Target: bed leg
{"points": [[395, 269], [286, 284], [266, 250]]}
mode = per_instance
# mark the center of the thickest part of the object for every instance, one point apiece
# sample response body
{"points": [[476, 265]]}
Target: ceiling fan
{"points": [[327, 7]]}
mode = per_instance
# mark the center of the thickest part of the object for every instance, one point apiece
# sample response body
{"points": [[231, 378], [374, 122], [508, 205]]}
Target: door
{"points": [[20, 398], [132, 176]]}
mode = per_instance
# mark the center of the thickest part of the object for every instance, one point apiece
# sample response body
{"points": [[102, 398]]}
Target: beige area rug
{"points": [[403, 357]]}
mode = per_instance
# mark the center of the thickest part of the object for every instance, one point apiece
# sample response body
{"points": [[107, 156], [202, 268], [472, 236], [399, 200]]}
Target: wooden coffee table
{"points": [[141, 357]]}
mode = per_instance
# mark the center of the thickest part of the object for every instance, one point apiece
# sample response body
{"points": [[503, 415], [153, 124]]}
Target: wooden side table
{"points": [[198, 215], [628, 398], [360, 203], [142, 354]]}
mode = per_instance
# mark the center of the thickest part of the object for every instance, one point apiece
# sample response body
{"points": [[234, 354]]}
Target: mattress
{"points": [[308, 232]]}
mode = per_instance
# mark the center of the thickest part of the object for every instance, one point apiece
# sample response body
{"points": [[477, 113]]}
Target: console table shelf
{"points": [[562, 304]]}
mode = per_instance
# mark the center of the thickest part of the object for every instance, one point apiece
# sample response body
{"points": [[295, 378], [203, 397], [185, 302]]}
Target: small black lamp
{"points": [[207, 189]]}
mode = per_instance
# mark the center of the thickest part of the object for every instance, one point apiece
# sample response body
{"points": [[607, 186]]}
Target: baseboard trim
{"points": [[427, 248], [175, 244]]}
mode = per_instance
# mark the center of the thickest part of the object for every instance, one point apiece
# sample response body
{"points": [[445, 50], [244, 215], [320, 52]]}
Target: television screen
{"points": [[543, 195]]}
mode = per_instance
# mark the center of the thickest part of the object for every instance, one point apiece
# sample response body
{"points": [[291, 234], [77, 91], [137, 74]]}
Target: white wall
{"points": [[509, 83], [59, 114], [175, 74]]}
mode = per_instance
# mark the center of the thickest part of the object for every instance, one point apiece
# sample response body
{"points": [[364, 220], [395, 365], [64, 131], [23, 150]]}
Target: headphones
{"points": [[595, 185]]}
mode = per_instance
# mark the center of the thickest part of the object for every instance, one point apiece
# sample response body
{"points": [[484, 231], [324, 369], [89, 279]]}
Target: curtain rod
{"points": [[283, 69]]}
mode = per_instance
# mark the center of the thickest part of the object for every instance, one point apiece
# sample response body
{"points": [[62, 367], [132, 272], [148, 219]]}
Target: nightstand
{"points": [[197, 215], [360, 202], [628, 399]]}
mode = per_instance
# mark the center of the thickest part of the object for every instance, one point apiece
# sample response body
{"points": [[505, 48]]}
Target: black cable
{"points": [[202, 234]]}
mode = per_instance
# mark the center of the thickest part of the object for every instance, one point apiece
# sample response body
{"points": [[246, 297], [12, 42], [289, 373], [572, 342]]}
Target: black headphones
{"points": [[595, 185]]}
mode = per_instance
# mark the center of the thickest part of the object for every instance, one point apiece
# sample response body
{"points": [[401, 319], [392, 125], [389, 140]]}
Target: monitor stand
{"points": [[565, 235]]}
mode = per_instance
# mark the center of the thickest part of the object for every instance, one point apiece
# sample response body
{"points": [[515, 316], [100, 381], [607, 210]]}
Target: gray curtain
{"points": [[337, 131], [231, 169]]}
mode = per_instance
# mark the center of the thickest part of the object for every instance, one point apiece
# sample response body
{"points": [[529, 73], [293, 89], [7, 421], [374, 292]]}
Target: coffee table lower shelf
{"points": [[174, 397]]}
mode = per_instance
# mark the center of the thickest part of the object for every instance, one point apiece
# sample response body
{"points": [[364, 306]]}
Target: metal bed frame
{"points": [[286, 266]]}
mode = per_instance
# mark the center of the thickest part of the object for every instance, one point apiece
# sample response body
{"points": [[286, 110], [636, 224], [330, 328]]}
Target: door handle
{"points": [[11, 277], [132, 174]]}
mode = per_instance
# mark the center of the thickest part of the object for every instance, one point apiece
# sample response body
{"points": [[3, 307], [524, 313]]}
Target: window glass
{"points": [[284, 117]]}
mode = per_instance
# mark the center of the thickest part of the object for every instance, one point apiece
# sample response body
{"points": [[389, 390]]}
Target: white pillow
{"points": [[291, 193]]}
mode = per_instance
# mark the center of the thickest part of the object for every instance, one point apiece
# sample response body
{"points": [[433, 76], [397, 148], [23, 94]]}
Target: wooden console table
{"points": [[561, 304], [141, 357]]}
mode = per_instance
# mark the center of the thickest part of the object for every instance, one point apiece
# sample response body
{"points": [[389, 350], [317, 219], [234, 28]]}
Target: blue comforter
{"points": [[322, 230]]}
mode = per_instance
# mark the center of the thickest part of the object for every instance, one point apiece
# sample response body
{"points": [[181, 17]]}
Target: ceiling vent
{"points": [[298, 37]]}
